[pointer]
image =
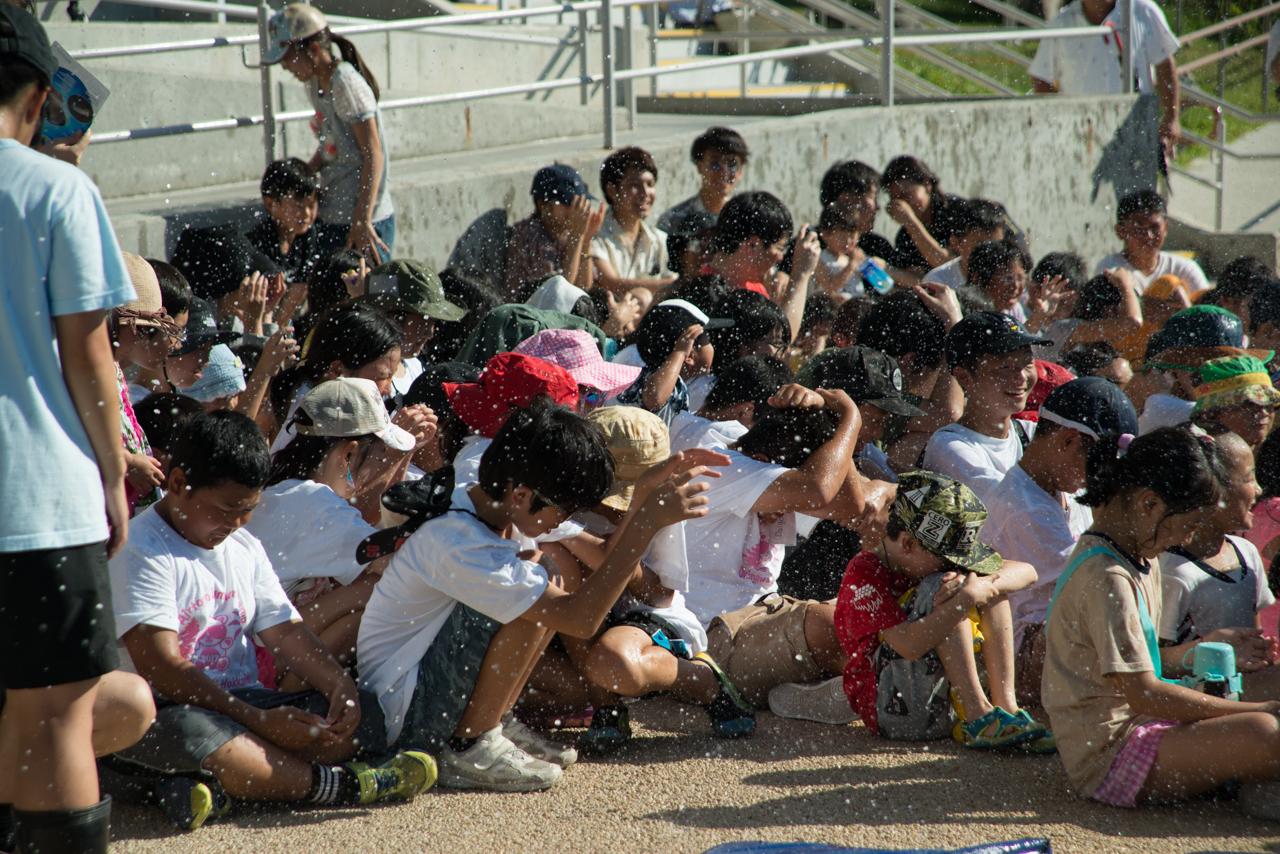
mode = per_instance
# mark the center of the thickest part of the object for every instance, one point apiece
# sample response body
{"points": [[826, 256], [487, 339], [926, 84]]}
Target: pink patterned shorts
{"points": [[1132, 764]]}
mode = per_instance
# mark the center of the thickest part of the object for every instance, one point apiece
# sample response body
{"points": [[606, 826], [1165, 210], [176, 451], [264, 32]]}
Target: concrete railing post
{"points": [[744, 48], [264, 72], [628, 51], [606, 64], [584, 68], [653, 50], [886, 53]]}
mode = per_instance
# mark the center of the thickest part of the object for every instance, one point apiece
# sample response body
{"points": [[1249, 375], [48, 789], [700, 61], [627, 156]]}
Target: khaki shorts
{"points": [[1028, 666], [763, 645]]}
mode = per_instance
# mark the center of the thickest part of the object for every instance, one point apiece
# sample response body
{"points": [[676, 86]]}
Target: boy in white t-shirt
{"points": [[192, 590], [1033, 516], [989, 354], [1142, 223], [461, 615]]}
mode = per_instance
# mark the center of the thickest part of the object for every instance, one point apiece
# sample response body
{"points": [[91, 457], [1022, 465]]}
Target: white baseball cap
{"points": [[349, 407], [293, 23]]}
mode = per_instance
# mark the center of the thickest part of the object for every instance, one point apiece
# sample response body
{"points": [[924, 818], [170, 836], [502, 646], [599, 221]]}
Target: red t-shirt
{"points": [[868, 604], [758, 288]]}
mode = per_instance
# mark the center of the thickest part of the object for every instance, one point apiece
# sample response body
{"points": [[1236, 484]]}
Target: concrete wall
{"points": [[192, 86], [1054, 163]]}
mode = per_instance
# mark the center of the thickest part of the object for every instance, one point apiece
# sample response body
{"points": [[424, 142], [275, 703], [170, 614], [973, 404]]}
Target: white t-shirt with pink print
{"points": [[734, 555], [215, 599]]}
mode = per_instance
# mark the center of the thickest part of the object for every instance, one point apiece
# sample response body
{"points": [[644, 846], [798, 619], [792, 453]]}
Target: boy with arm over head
{"points": [[461, 616]]}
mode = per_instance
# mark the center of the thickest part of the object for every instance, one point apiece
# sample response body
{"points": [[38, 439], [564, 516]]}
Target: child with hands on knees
{"points": [[1127, 733], [905, 619], [192, 589]]}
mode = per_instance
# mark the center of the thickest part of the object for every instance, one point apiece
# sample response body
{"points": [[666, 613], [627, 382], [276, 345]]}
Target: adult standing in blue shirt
{"points": [[61, 463]]}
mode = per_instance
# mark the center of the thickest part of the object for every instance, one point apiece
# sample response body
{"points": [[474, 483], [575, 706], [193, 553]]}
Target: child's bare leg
{"points": [[996, 621], [555, 687], [572, 572], [122, 712], [1196, 758], [335, 618], [252, 768], [956, 652], [507, 664], [1262, 685], [626, 661], [820, 635]]}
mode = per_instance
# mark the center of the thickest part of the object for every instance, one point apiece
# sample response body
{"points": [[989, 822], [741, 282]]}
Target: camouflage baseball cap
{"points": [[945, 516]]}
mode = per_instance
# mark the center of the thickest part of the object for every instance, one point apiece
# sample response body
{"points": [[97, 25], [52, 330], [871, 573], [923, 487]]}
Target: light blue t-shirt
{"points": [[58, 255]]}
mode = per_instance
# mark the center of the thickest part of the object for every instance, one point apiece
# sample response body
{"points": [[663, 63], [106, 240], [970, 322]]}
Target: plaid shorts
{"points": [[1132, 764]]}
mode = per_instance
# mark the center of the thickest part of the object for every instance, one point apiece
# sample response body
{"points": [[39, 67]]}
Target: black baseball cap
{"points": [[867, 376], [984, 333], [21, 35], [215, 260], [1093, 405], [428, 389], [202, 328], [559, 182], [663, 325]]}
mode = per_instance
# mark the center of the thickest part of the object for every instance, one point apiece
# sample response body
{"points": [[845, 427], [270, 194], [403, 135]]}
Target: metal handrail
{"points": [[618, 76], [1228, 24], [1222, 54]]}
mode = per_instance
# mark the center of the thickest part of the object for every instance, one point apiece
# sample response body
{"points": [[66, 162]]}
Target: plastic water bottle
{"points": [[878, 280]]}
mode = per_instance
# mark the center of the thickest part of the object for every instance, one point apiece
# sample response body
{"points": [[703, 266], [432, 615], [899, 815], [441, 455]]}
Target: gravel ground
{"points": [[678, 789]]}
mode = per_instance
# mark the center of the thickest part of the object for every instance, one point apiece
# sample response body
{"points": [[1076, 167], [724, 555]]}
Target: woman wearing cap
{"points": [[307, 520], [142, 334], [352, 158]]}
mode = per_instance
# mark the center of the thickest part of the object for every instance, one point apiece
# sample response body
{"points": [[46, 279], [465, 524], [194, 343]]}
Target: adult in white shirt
{"points": [[1092, 65], [628, 252], [1142, 223]]}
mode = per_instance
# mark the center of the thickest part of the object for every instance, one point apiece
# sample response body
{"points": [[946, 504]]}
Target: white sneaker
{"points": [[535, 745], [495, 764], [823, 702]]}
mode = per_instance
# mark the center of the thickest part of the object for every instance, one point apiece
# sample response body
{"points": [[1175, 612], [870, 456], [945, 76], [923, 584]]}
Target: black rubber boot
{"points": [[83, 831]]}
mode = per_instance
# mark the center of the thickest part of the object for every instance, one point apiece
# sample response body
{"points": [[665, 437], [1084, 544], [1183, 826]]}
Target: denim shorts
{"points": [[183, 736], [447, 675]]}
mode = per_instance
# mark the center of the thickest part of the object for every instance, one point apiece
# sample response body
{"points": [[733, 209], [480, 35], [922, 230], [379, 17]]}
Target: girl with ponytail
{"points": [[1127, 732], [355, 205]]}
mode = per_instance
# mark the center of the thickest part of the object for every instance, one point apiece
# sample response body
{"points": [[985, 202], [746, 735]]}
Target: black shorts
{"points": [[56, 621]]}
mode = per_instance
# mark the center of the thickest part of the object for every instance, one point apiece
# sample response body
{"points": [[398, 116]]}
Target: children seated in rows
{"points": [[904, 621], [461, 615], [191, 590]]}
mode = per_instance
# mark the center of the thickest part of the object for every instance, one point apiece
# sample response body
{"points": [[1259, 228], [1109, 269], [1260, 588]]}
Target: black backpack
{"points": [[420, 500]]}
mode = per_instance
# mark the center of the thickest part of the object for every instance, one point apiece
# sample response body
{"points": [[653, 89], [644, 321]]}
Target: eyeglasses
{"points": [[591, 397]]}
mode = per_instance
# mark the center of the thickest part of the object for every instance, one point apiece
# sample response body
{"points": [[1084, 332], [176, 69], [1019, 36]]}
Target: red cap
{"points": [[509, 381], [1048, 377]]}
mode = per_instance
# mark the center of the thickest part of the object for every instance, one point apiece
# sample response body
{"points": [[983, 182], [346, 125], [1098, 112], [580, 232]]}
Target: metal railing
{"points": [[608, 78], [865, 42]]}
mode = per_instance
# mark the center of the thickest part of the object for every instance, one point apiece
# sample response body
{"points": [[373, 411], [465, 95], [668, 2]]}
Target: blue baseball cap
{"points": [[559, 182]]}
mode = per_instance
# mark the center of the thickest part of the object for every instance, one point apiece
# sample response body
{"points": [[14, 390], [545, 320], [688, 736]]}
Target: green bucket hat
{"points": [[417, 287], [945, 516], [1221, 383]]}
